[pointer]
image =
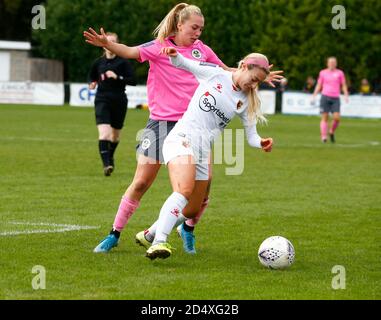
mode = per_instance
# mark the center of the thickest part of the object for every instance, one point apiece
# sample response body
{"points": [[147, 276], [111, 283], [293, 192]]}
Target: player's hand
{"points": [[169, 51], [111, 74], [273, 76], [98, 40], [92, 85], [267, 144], [346, 99]]}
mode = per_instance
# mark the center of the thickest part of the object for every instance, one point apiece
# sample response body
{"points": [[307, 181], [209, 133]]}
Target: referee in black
{"points": [[111, 74]]}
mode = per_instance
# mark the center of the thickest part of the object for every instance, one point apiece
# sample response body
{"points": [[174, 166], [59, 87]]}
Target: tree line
{"points": [[297, 35]]}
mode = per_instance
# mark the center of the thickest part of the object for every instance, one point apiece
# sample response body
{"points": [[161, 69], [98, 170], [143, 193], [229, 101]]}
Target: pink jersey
{"points": [[331, 81], [170, 89]]}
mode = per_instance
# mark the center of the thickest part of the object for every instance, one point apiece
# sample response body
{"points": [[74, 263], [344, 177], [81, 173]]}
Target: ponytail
{"points": [[180, 13], [254, 110]]}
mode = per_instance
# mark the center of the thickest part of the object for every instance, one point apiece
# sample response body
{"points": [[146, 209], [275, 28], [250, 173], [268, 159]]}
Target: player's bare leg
{"points": [[324, 127], [145, 174]]}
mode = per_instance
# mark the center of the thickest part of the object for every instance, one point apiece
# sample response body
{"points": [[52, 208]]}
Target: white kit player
{"points": [[220, 96]]}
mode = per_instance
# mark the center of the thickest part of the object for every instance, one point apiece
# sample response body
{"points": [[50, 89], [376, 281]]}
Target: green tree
{"points": [[296, 35]]}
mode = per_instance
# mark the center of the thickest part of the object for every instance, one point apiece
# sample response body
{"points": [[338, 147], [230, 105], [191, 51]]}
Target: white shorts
{"points": [[179, 144]]}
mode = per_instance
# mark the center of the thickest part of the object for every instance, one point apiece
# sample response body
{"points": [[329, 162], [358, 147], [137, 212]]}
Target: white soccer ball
{"points": [[276, 253]]}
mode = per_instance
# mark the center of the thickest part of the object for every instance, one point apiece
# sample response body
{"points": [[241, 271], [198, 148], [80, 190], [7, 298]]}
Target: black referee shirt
{"points": [[121, 67]]}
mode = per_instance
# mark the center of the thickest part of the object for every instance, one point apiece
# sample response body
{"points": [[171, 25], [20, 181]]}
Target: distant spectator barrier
{"points": [[358, 106], [46, 93], [32, 93], [81, 96]]}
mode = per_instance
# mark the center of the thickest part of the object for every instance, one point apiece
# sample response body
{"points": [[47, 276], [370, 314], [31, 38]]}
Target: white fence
{"points": [[81, 96], [45, 93], [32, 93], [357, 106]]}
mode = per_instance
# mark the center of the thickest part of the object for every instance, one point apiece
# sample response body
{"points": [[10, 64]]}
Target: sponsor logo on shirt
{"points": [[218, 87], [196, 54], [207, 103]]}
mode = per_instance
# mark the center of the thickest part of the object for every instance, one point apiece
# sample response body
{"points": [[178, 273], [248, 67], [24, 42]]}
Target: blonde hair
{"points": [[113, 34], [179, 14], [254, 110]]}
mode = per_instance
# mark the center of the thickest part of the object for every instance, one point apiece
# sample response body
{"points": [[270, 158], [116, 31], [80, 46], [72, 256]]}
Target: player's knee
{"points": [[115, 137], [186, 193], [105, 136], [140, 185]]}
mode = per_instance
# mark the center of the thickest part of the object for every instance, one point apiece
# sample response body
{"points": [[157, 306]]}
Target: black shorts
{"points": [[111, 110], [328, 104], [152, 139]]}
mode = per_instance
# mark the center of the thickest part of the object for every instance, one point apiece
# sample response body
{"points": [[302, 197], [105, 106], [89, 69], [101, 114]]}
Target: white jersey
{"points": [[213, 105]]}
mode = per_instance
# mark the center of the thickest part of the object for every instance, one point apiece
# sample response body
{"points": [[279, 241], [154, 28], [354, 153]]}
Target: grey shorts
{"points": [[328, 104], [152, 139]]}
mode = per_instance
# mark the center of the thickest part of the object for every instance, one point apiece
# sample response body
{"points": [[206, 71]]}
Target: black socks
{"points": [[116, 233], [113, 146], [104, 151]]}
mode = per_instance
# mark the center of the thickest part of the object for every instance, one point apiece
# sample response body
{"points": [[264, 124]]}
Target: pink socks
{"points": [[126, 208], [335, 124]]}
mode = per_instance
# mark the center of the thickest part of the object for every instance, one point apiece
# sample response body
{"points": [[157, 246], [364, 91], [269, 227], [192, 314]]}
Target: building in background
{"points": [[17, 65]]}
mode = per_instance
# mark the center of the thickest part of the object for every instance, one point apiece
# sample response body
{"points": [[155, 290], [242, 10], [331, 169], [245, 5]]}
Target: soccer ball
{"points": [[276, 253]]}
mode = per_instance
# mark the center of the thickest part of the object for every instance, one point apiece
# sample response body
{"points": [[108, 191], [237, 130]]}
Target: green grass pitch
{"points": [[326, 199]]}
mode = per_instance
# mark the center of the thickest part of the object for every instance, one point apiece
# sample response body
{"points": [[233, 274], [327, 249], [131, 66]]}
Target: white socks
{"points": [[150, 235], [169, 216]]}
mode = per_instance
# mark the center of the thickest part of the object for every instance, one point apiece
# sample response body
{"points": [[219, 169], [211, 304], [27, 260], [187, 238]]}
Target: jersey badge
{"points": [[196, 54]]}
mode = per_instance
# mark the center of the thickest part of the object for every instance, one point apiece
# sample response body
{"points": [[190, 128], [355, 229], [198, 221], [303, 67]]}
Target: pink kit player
{"points": [[330, 82]]}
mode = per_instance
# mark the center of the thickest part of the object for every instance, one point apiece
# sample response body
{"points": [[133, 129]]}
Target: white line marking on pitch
{"points": [[338, 145], [56, 228]]}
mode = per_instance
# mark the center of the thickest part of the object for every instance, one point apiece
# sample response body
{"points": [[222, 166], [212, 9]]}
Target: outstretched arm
{"points": [[256, 141], [100, 40], [252, 135], [273, 76], [201, 70]]}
